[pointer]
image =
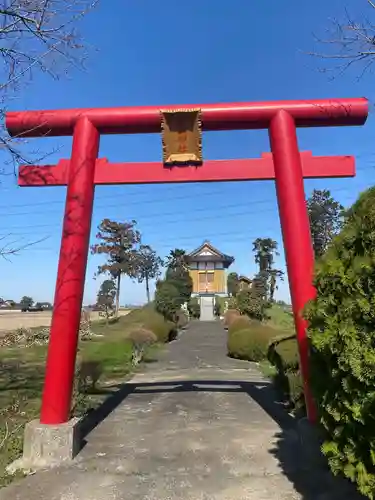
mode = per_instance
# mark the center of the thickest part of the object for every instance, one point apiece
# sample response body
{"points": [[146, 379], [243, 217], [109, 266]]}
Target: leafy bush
{"points": [[232, 303], [342, 334], [217, 307], [182, 319], [147, 317], [239, 323], [230, 316], [251, 303], [194, 308], [251, 343]]}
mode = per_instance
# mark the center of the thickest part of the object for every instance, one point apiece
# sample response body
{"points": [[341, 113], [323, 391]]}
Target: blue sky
{"points": [[172, 52]]}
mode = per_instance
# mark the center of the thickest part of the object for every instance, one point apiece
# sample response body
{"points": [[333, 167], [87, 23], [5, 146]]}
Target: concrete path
{"points": [[195, 425], [207, 308]]}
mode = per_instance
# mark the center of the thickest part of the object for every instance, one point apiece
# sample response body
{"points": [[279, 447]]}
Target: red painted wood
{"points": [[221, 116], [71, 272], [295, 227], [211, 171]]}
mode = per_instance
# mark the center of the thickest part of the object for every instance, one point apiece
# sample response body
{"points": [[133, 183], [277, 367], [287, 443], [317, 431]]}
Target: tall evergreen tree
{"points": [[148, 267], [265, 250], [119, 243], [326, 219], [106, 297], [178, 274], [233, 284]]}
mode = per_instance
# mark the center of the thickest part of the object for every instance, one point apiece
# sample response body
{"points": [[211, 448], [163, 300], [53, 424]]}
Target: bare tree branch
{"points": [[8, 248], [36, 36], [349, 42]]}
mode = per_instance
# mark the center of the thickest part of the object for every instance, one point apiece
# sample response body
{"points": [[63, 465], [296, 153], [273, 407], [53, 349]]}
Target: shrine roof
{"points": [[207, 250], [245, 278]]}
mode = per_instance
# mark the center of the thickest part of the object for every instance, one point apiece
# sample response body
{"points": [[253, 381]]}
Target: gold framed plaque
{"points": [[182, 137]]}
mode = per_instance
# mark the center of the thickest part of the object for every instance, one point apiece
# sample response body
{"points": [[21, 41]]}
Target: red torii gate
{"points": [[286, 165]]}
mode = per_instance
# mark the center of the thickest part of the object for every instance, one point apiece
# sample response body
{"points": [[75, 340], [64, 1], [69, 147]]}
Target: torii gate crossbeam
{"points": [[254, 169], [85, 170]]}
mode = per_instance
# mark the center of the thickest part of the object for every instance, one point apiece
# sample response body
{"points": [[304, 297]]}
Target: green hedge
{"points": [[250, 343]]}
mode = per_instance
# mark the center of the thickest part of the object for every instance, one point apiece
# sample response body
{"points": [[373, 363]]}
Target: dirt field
{"points": [[11, 320]]}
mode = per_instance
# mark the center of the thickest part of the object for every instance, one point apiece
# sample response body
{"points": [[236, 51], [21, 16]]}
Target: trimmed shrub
{"points": [[147, 317], [194, 308], [182, 319], [89, 373], [230, 316], [164, 330], [251, 343], [239, 323], [283, 354], [141, 338], [218, 306], [342, 334]]}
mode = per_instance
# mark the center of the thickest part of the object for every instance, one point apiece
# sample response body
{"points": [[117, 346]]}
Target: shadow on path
{"points": [[300, 461]]}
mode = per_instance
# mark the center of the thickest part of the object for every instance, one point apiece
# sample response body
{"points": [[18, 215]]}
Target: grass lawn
{"points": [[267, 369], [280, 318], [22, 375]]}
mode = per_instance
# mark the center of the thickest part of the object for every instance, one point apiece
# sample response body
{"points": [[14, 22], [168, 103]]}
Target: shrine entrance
{"points": [[183, 161]]}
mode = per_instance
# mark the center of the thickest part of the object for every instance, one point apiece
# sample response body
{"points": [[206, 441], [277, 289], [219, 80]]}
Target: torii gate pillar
{"points": [[86, 125]]}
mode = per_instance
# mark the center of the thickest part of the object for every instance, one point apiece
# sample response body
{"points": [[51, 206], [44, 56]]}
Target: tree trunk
{"points": [[147, 289], [273, 287], [118, 294]]}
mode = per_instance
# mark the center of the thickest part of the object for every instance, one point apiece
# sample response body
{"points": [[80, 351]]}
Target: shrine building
{"points": [[207, 267], [244, 282]]}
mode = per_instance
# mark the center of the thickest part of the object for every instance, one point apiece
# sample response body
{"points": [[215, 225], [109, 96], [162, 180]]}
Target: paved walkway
{"points": [[195, 425]]}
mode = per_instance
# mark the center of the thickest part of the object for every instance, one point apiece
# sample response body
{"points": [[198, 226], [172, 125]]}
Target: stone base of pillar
{"points": [[48, 445]]}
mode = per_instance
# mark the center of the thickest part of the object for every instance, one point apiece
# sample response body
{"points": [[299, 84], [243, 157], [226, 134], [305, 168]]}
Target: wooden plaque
{"points": [[182, 137]]}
